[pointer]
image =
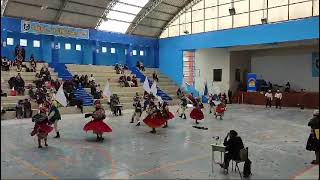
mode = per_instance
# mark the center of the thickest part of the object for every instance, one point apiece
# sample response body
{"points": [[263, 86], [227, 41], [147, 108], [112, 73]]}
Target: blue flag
{"points": [[205, 92]]}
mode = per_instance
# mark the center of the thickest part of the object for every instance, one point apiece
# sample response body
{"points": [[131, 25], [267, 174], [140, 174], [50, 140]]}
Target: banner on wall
{"points": [[315, 64], [55, 30], [251, 82]]}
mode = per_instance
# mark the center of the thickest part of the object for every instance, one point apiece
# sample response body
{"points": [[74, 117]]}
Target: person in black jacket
{"points": [[233, 145], [27, 108], [313, 141]]}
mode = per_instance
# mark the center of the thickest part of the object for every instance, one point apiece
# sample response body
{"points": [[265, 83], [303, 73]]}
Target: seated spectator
{"points": [[33, 64], [11, 82], [138, 65], [122, 80], [31, 92], [74, 101], [134, 81], [19, 84], [142, 66], [45, 74], [40, 95], [76, 81], [288, 86], [117, 68], [68, 86], [19, 109], [82, 80], [91, 78], [57, 84], [27, 109], [3, 94], [125, 67], [5, 64], [130, 83], [155, 76], [233, 145]]}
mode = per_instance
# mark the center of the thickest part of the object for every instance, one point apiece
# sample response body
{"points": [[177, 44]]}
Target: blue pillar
{"points": [[129, 56], [46, 48], [88, 55]]}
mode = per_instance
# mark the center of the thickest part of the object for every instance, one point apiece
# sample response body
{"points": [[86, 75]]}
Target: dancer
{"points": [[220, 110], [183, 106], [268, 96], [166, 114], [136, 100], [313, 140], [278, 98], [97, 125], [196, 113], [41, 127], [54, 117], [211, 104], [154, 118]]}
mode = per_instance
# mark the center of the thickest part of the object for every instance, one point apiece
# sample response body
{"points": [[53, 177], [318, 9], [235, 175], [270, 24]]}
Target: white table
{"points": [[219, 148]]}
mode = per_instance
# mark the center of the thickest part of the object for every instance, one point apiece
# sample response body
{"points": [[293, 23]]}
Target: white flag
{"points": [[154, 88], [183, 85], [146, 85], [107, 91], [61, 97]]}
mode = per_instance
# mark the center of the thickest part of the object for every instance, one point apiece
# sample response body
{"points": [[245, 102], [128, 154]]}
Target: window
{"points": [[10, 41], [23, 42], [134, 52], [67, 46], [125, 51], [36, 43], [104, 49], [113, 50], [141, 53], [237, 75], [78, 47], [217, 75]]}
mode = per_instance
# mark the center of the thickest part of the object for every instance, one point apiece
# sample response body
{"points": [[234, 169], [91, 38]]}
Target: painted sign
{"points": [[55, 30], [315, 64], [251, 82]]}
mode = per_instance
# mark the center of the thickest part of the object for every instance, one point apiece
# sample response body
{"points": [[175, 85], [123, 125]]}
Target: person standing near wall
{"points": [[230, 96], [313, 140], [278, 98], [268, 96]]}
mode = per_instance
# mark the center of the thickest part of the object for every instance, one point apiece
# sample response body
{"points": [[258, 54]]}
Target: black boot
{"points": [[197, 122], [131, 120], [138, 124], [185, 117], [181, 116], [58, 135], [153, 131]]}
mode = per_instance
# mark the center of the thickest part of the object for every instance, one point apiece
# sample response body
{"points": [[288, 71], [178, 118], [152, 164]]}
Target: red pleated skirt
{"points": [[196, 114], [42, 129], [155, 122], [97, 126], [170, 116]]}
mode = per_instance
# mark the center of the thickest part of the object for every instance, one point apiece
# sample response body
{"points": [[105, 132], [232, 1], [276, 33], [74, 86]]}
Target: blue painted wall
{"points": [[170, 49], [90, 49]]}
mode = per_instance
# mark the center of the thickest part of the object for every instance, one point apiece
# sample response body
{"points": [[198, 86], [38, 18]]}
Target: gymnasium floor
{"points": [[276, 141]]}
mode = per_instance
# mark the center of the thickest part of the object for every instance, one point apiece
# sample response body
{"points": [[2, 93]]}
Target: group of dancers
{"points": [[157, 115]]}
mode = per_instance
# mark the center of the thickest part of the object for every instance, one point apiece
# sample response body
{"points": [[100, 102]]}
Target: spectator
{"points": [[19, 109], [288, 87], [57, 84], [45, 74], [3, 94], [270, 85], [31, 92], [19, 84], [33, 64], [134, 81], [230, 96], [130, 83], [233, 145], [122, 80], [5, 65], [11, 82], [27, 108], [179, 93], [91, 79], [155, 76], [313, 140], [74, 101], [125, 67]]}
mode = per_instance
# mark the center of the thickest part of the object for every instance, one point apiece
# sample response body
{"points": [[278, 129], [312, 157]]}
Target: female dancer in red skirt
{"points": [[41, 127], [196, 113], [97, 125], [154, 118], [166, 114]]}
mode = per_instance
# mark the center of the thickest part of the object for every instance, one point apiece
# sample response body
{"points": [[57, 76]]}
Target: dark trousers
{"points": [[268, 103], [278, 103], [228, 158], [117, 110]]}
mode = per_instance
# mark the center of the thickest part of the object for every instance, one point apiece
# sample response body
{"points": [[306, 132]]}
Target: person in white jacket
{"points": [[268, 96], [278, 98]]}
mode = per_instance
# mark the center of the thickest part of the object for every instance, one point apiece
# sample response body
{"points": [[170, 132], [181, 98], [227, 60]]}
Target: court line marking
{"points": [[32, 167], [303, 171], [168, 165]]}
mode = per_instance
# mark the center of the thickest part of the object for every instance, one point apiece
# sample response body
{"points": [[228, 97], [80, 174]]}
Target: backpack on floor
{"points": [[247, 168]]}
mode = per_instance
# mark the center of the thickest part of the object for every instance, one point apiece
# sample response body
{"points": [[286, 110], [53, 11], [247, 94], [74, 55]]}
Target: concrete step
{"points": [[10, 105]]}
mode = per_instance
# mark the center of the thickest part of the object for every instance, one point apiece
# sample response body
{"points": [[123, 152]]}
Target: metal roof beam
{"points": [[3, 6], [106, 12], [146, 8], [153, 5], [62, 6]]}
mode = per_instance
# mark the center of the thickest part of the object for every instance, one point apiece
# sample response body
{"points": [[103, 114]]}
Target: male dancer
{"points": [[183, 106], [54, 116], [278, 98]]}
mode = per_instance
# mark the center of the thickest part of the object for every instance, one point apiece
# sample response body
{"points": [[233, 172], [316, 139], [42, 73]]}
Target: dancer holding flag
{"points": [[54, 114], [97, 125]]}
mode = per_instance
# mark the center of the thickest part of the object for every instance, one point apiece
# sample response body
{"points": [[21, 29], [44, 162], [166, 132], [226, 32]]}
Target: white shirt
{"points": [[268, 95], [91, 78], [278, 95]]}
